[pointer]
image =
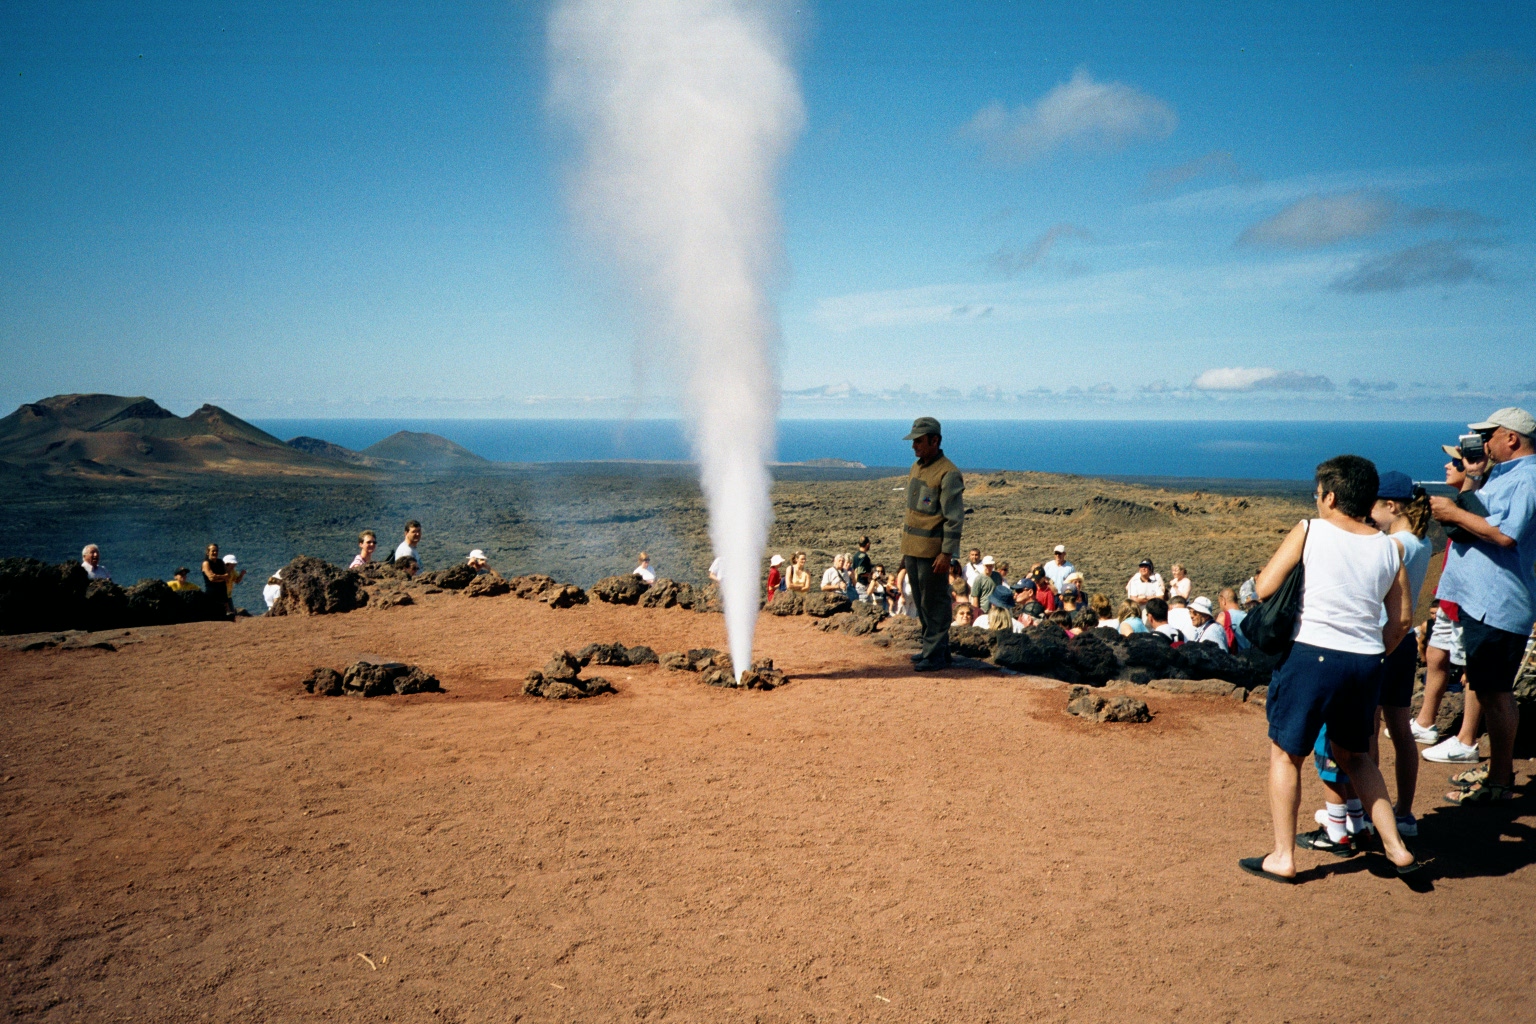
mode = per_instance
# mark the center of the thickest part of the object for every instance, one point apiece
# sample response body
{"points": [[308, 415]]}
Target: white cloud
{"points": [[1256, 378], [1318, 220], [1080, 113]]}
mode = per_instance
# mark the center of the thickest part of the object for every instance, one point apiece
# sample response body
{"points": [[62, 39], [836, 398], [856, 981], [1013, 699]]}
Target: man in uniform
{"points": [[931, 537]]}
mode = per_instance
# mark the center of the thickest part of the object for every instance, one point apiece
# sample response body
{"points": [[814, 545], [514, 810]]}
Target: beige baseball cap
{"points": [[1509, 417]]}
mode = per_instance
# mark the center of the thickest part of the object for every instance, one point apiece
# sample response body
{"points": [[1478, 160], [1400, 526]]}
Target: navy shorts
{"points": [[1493, 656], [1317, 687], [1398, 673]]}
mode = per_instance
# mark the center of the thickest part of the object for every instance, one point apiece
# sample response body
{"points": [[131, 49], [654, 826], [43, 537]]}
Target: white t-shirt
{"points": [[1140, 590], [645, 573], [1169, 630], [270, 593], [714, 570], [973, 570], [99, 572], [406, 551], [1109, 623], [1181, 588], [1180, 620]]}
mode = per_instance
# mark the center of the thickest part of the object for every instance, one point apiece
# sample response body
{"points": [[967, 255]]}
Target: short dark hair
{"points": [[863, 542], [1086, 619], [181, 571], [411, 524], [1352, 481], [1157, 608]]}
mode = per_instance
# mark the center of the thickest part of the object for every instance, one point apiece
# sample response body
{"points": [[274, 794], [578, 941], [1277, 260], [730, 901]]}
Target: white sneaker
{"points": [[1421, 735], [1451, 751]]}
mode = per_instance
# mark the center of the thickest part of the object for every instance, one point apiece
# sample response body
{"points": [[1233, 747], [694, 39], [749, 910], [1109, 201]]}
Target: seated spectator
{"points": [[959, 586], [1248, 594], [178, 581], [1073, 585], [1032, 612], [1180, 585], [965, 615], [1100, 606], [478, 562], [1045, 591], [1156, 610], [1060, 619], [407, 565], [878, 592], [407, 547], [986, 582], [273, 590], [1178, 618], [1070, 602], [1146, 584], [644, 571], [798, 578], [1230, 617], [1207, 630], [1000, 609], [861, 588], [1084, 621], [366, 542], [1131, 618], [90, 561]]}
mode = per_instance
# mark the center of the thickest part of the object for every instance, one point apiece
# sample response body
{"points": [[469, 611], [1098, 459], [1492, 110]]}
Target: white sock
{"points": [[1335, 826], [1356, 816]]}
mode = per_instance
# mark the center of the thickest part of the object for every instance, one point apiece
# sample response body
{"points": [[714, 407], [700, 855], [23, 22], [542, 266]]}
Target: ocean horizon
{"points": [[1204, 449]]}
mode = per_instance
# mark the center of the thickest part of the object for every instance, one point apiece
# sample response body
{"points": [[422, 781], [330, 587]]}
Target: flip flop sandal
{"points": [[1255, 866], [1319, 841], [1483, 792], [1470, 777]]}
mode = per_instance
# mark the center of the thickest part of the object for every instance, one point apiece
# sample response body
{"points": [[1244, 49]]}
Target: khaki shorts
{"points": [[1445, 635]]}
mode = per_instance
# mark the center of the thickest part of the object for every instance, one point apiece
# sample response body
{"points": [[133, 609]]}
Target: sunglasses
{"points": [[1460, 467]]}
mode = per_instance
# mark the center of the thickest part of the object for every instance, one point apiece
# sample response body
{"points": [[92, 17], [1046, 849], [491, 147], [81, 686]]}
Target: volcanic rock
{"points": [[820, 605], [1085, 703], [455, 577], [326, 682], [788, 602], [36, 597], [970, 642], [676, 661], [1211, 687], [641, 655], [564, 595], [105, 606], [561, 680], [1037, 655], [531, 586], [1092, 659], [313, 587], [604, 654], [665, 593], [619, 589], [1149, 651], [562, 667], [368, 679], [487, 584]]}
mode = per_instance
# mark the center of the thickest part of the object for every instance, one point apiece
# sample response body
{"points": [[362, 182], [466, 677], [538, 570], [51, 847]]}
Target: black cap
{"points": [[1147, 562]]}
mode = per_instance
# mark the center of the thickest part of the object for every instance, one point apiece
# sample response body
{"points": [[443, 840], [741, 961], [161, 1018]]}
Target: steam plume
{"points": [[686, 108]]}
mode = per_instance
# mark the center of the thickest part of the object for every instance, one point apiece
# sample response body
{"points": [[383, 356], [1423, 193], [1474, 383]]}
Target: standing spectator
{"points": [[1045, 592], [1180, 584], [1230, 617], [215, 576], [985, 583], [1202, 617], [1490, 578], [1402, 512], [1058, 568], [1146, 584], [236, 574], [1333, 673], [1442, 652], [930, 537], [775, 577], [646, 573], [972, 567], [798, 578], [407, 547], [367, 541], [178, 581], [862, 563], [90, 561]]}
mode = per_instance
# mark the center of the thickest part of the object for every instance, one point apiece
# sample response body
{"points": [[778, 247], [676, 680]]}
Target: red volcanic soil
{"points": [[189, 837]]}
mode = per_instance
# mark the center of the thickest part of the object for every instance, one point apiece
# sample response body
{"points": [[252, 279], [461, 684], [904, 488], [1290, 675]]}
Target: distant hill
{"points": [[426, 452], [327, 450], [107, 436]]}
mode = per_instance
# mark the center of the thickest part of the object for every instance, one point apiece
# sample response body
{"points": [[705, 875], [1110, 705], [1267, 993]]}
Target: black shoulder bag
{"points": [[1271, 626]]}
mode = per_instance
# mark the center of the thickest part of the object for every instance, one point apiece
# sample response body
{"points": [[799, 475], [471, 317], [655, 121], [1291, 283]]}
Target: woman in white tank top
{"points": [[1333, 674]]}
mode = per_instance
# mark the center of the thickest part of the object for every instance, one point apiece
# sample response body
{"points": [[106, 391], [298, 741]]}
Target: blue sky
{"points": [[1101, 211]]}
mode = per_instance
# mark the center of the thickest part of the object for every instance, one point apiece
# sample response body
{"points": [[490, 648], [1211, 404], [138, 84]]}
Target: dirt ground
{"points": [[189, 837]]}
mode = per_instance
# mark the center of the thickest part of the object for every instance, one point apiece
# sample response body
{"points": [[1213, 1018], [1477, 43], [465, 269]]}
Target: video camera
{"points": [[1471, 446]]}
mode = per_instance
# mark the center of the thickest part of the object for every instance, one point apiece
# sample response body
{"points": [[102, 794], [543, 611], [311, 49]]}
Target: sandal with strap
{"points": [[1470, 777], [1483, 792]]}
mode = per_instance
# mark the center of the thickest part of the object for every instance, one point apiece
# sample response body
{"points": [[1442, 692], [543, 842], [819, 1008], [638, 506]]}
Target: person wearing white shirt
{"points": [[407, 548], [1155, 612], [90, 561], [1058, 568], [833, 581], [973, 567], [644, 571], [1179, 618], [1146, 584], [714, 571], [1207, 630], [1179, 585]]}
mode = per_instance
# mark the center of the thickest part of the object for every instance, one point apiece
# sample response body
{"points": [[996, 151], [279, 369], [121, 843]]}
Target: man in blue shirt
{"points": [[1491, 577], [1058, 568]]}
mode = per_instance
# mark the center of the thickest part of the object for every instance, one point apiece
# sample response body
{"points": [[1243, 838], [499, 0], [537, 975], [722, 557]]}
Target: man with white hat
{"points": [[1202, 615], [1489, 576], [478, 561], [1058, 568]]}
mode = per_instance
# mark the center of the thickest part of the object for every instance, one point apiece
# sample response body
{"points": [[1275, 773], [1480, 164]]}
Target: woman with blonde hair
{"points": [[1130, 618]]}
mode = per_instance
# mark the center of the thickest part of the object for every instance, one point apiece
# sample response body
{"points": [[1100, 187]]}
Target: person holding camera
{"points": [[1488, 574]]}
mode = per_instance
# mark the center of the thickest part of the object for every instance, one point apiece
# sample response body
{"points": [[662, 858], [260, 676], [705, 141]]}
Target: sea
{"points": [[1131, 449]]}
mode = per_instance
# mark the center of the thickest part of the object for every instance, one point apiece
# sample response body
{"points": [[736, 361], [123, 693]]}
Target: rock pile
{"points": [[1085, 703], [715, 668], [615, 654], [561, 680], [665, 593], [620, 589], [370, 679], [314, 587], [36, 597]]}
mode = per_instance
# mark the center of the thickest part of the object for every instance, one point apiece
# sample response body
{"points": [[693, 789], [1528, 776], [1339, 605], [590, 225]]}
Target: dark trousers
{"points": [[931, 592]]}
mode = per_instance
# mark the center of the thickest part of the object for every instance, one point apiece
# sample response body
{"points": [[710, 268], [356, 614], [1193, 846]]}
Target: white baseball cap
{"points": [[776, 560], [231, 560], [1059, 549], [476, 555], [989, 560], [1509, 417]]}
